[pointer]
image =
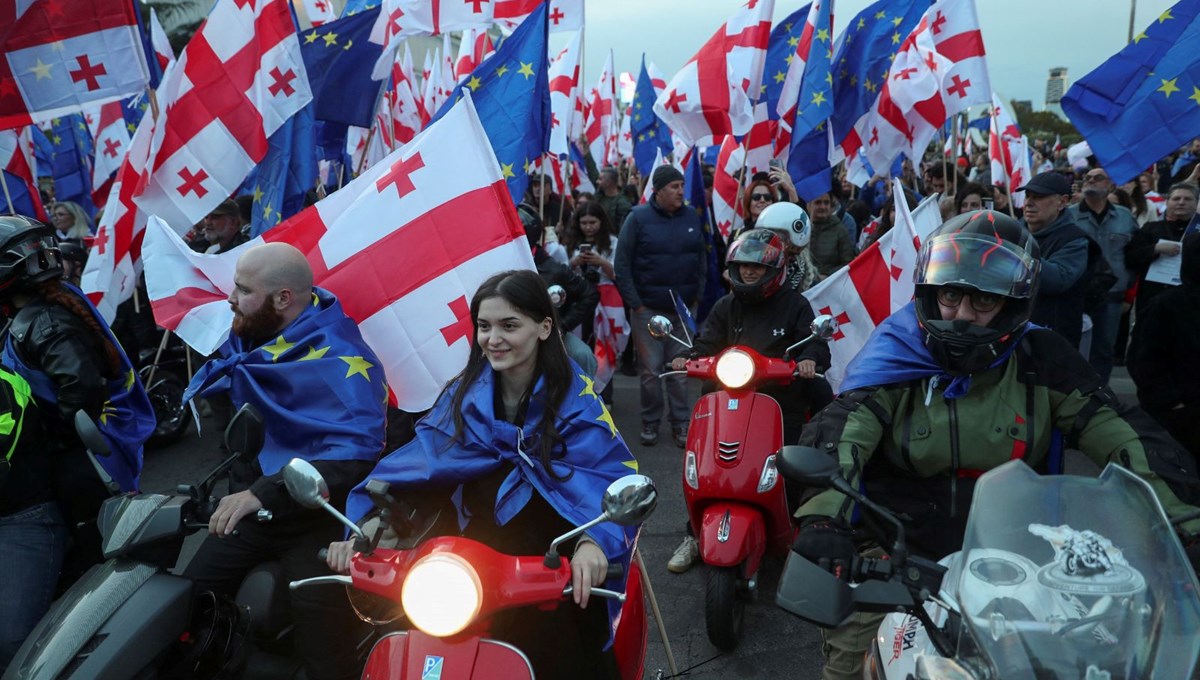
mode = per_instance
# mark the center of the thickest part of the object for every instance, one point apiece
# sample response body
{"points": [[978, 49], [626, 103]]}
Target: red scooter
{"points": [[735, 499], [449, 587]]}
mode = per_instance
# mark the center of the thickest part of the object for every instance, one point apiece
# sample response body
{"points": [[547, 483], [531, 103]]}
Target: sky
{"points": [[1023, 38]]}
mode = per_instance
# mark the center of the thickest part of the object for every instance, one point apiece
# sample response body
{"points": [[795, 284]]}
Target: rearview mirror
{"points": [[245, 434], [90, 435], [630, 500], [808, 466], [304, 484], [660, 327], [824, 327], [558, 295]]}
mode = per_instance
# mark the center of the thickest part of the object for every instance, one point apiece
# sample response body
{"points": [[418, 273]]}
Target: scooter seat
{"points": [[264, 594]]}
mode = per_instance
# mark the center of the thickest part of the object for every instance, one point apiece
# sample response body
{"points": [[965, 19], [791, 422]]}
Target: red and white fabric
{"points": [[1007, 152], [449, 80], [115, 260], [465, 62], [111, 144], [710, 97], [760, 141], [564, 15], [428, 86], [237, 81], [407, 281], [600, 127], [863, 293], [1157, 202], [564, 93], [794, 80], [648, 190], [405, 107], [60, 57], [399, 19], [727, 209], [163, 52], [657, 79], [612, 333], [1058, 143], [625, 134], [319, 11], [940, 70], [16, 158]]}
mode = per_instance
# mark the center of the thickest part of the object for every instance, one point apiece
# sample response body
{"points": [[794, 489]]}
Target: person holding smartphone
{"points": [[590, 244]]}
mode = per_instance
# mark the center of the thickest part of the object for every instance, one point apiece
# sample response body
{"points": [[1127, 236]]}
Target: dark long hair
{"points": [[526, 292], [53, 291], [574, 235]]}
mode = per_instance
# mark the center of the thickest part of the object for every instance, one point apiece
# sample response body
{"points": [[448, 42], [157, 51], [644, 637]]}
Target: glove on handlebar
{"points": [[826, 542]]}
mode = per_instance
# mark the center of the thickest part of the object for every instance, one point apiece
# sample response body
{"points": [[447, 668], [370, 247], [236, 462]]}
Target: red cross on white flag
{"points": [[564, 15], [319, 11], [564, 90], [112, 144], [726, 189], [405, 280], [237, 81]]}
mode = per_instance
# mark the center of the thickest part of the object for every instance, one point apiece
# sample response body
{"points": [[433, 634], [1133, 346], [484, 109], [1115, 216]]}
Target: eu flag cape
{"points": [[127, 418], [595, 456], [319, 387]]}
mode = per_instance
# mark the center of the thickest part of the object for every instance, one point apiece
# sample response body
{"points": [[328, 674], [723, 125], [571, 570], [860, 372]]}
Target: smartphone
{"points": [[585, 247], [989, 204]]}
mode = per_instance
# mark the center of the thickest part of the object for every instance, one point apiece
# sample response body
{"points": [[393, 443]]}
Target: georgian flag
{"points": [[564, 91], [600, 126], [238, 80], [1008, 152], [163, 51], [59, 57], [111, 143], [612, 333], [727, 210], [319, 11], [392, 245], [564, 15], [16, 158], [399, 19], [405, 110]]}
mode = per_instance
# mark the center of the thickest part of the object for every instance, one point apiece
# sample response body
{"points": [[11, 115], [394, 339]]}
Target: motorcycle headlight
{"points": [[735, 369], [441, 594]]}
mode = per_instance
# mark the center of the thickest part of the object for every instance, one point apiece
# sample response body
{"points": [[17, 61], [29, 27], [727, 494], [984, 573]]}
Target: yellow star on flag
{"points": [[130, 379], [1164, 16], [349, 44], [793, 41], [1139, 37], [632, 464], [526, 70], [897, 21], [330, 39], [588, 387], [278, 348], [357, 365], [780, 76], [311, 38], [57, 140], [861, 23], [1195, 95], [641, 138], [818, 97], [822, 34], [502, 70], [131, 127], [788, 59], [1168, 87], [895, 38], [41, 70], [314, 353], [474, 83], [267, 211], [258, 194], [606, 418], [506, 170], [881, 14]]}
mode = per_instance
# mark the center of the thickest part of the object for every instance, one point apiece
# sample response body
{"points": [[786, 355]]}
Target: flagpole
{"points": [[945, 172], [954, 154], [562, 204], [152, 97]]}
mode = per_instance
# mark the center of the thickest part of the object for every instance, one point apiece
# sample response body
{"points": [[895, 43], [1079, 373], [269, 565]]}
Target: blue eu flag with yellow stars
{"points": [[593, 456], [281, 180], [338, 57], [1151, 85], [780, 48], [511, 92], [319, 387], [73, 152], [650, 134]]}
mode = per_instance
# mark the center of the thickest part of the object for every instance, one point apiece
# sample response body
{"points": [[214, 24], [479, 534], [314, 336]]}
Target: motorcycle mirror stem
{"points": [[899, 551], [95, 444], [308, 488], [628, 501]]}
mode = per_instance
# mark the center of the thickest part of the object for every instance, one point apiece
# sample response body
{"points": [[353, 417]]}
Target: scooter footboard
{"points": [[730, 534], [413, 654]]}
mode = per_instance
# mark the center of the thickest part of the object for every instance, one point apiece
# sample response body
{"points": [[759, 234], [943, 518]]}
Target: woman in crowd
{"points": [[69, 221]]}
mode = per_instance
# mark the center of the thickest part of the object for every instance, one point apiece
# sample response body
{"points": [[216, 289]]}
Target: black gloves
{"points": [[827, 543]]}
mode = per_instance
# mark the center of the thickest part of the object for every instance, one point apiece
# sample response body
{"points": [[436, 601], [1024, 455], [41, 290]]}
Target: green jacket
{"points": [[918, 453], [830, 245], [617, 207]]}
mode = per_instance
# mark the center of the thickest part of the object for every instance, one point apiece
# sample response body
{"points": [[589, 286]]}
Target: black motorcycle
{"points": [[163, 371]]}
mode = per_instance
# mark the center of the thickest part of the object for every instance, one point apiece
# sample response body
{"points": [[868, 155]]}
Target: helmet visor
{"points": [[754, 251], [985, 264]]}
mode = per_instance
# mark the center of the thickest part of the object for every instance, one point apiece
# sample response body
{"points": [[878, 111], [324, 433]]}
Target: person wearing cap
{"points": [[221, 229], [1067, 255], [662, 251]]}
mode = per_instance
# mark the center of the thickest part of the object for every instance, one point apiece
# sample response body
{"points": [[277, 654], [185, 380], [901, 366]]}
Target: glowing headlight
{"points": [[441, 594], [735, 368]]}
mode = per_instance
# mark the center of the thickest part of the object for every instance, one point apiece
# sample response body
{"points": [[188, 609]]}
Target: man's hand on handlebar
{"points": [[589, 567], [231, 510], [827, 543], [338, 557], [806, 369]]}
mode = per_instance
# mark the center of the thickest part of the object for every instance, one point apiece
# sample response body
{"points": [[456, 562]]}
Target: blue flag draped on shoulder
{"points": [[319, 387], [338, 57], [127, 418], [650, 134], [1152, 84], [595, 455], [511, 91]]}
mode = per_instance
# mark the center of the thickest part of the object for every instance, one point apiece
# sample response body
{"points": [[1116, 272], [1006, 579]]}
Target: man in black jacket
{"points": [[1160, 238]]}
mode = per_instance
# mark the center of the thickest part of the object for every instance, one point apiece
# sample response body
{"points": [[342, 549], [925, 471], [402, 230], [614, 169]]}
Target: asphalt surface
{"points": [[774, 644]]}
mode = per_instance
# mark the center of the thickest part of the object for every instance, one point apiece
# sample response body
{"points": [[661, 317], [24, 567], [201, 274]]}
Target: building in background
{"points": [[1056, 86]]}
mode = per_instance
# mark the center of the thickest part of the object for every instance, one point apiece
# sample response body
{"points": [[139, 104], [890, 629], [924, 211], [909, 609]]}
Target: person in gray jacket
{"points": [[662, 250]]}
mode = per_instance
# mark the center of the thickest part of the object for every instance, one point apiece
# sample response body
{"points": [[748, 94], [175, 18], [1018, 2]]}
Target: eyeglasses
{"points": [[980, 302], [762, 197]]}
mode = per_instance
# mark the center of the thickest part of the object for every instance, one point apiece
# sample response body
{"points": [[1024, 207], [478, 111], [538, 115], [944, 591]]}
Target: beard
{"points": [[258, 327]]}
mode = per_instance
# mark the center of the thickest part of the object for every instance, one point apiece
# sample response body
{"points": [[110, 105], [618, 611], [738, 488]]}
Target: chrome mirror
{"points": [[630, 500]]}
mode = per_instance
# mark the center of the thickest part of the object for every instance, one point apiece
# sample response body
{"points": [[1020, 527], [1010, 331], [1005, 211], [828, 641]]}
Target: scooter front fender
{"points": [[415, 655], [732, 533], [123, 613]]}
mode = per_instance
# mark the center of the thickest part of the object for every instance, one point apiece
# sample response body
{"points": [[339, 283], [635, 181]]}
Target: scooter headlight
{"points": [[441, 594], [735, 369]]}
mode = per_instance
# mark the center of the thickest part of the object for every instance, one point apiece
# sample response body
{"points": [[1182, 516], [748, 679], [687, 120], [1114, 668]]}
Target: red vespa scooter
{"points": [[735, 499], [449, 587]]}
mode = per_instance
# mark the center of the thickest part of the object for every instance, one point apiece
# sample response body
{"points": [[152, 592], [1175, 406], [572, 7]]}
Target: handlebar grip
{"points": [[323, 554]]}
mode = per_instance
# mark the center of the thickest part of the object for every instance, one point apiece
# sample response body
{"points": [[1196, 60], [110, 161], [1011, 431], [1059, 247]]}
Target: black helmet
{"points": [[28, 252], [531, 222], [982, 251], [757, 246]]}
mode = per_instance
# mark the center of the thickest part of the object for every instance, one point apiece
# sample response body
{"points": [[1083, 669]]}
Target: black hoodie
{"points": [[1166, 341]]}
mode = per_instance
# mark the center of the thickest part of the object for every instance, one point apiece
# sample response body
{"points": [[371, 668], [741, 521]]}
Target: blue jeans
{"points": [[1106, 318], [652, 355], [32, 541]]}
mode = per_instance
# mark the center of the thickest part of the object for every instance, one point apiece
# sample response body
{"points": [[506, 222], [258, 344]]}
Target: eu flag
{"points": [[1151, 85], [511, 92], [18, 189], [650, 134], [357, 6], [780, 48], [43, 152], [73, 152], [283, 177], [338, 57], [693, 193]]}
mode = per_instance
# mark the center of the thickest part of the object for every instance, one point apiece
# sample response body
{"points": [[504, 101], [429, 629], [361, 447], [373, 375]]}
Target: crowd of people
{"points": [[1037, 301]]}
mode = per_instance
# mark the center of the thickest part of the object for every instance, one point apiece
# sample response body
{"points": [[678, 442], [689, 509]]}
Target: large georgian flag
{"points": [[238, 80], [393, 245], [61, 55]]}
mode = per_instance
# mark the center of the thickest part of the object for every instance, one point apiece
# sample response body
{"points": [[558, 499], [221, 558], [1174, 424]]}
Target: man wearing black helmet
{"points": [[957, 383]]}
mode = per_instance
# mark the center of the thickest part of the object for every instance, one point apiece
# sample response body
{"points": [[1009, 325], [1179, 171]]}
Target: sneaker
{"points": [[685, 555], [649, 435], [680, 436]]}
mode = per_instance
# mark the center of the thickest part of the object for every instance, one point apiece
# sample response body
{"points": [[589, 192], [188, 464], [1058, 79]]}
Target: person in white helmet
{"points": [[793, 225]]}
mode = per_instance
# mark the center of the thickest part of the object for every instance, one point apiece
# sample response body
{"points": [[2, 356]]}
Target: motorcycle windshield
{"points": [[1074, 577]]}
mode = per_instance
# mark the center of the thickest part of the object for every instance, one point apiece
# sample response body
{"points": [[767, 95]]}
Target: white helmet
{"points": [[788, 220]]}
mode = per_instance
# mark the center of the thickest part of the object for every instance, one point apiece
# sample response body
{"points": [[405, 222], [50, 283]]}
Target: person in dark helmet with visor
{"points": [[952, 385]]}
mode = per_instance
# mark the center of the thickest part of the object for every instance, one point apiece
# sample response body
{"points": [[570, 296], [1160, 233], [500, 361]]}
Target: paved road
{"points": [[775, 644]]}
